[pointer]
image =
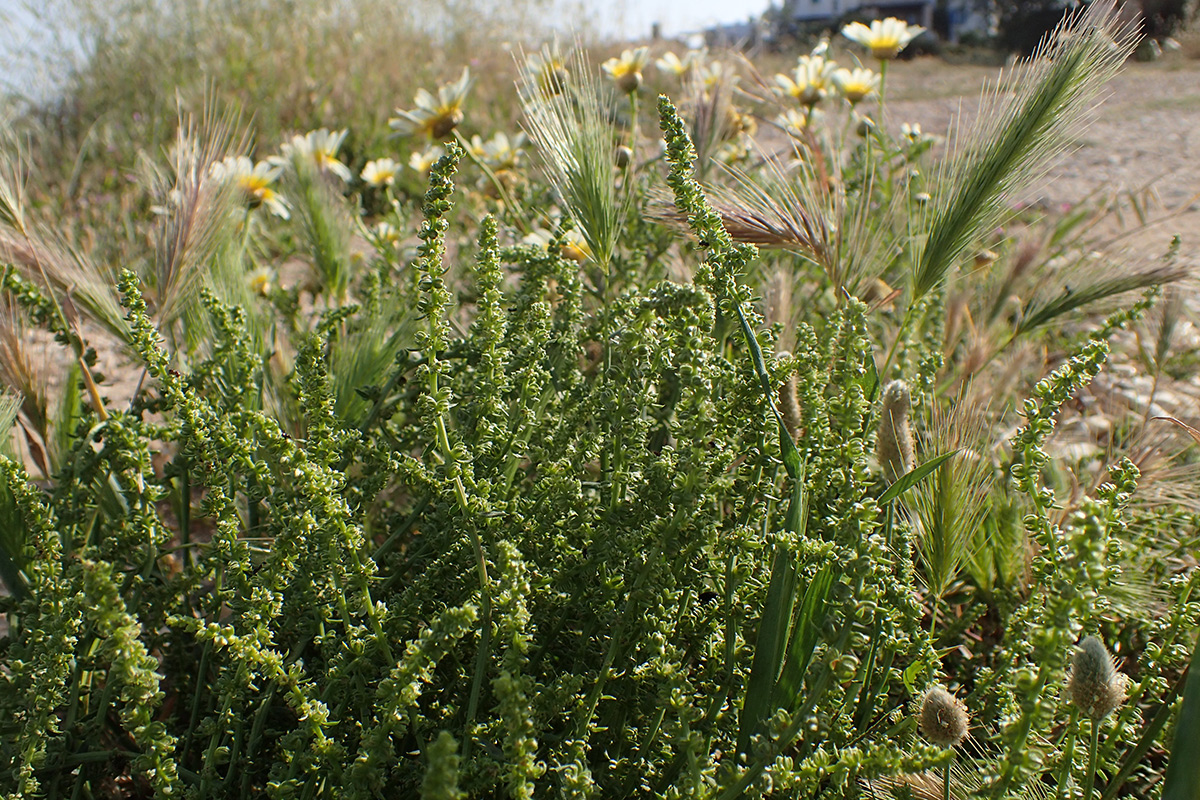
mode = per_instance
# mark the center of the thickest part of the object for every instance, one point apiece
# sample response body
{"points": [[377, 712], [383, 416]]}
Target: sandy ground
{"points": [[1143, 139]]}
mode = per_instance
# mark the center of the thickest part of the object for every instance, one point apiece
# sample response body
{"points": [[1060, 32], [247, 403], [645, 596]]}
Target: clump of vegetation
{"points": [[537, 482]]}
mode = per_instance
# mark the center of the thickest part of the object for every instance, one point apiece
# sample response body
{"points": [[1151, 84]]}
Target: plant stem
{"points": [[485, 591], [883, 65], [634, 131], [1149, 735], [1093, 748], [946, 778], [900, 332], [1068, 760]]}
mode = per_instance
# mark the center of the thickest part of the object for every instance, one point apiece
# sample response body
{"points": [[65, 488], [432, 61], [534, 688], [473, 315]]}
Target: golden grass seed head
{"points": [[789, 404]]}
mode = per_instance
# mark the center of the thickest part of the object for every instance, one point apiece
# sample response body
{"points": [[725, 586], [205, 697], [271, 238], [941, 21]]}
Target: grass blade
{"points": [[912, 478], [770, 646], [805, 632], [14, 542], [1183, 773]]}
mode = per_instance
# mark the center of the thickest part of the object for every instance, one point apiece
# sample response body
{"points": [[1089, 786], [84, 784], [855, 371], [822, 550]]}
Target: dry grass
{"points": [[290, 68]]}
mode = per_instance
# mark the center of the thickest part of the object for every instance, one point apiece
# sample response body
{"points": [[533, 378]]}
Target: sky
{"points": [[632, 18]]}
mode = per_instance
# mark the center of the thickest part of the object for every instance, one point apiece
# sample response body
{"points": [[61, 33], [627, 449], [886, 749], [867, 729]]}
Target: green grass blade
{"points": [[770, 648], [1183, 773], [912, 478], [14, 538], [806, 630], [872, 388], [66, 415]]}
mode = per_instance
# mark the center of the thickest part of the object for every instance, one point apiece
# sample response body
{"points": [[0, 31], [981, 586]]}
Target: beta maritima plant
{"points": [[476, 520]]}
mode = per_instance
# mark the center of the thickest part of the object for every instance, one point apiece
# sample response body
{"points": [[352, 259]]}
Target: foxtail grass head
{"points": [[1024, 124], [199, 216], [1095, 687], [944, 718], [789, 405], [950, 506], [894, 444], [572, 130]]}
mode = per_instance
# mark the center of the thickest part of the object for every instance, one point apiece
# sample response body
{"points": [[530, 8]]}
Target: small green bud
{"points": [[1095, 687], [943, 718]]}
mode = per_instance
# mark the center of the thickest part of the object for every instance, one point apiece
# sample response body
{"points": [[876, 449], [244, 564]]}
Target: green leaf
{"points": [[1183, 772], [14, 538], [911, 479], [872, 387], [771, 648], [910, 675], [806, 631], [791, 456], [66, 415]]}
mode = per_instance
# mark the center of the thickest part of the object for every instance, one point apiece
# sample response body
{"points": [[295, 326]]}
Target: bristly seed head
{"points": [[1096, 687], [894, 445], [943, 718], [789, 405]]}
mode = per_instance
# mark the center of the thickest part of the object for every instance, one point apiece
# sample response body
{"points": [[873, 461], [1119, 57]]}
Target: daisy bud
{"points": [[943, 718], [894, 445], [555, 80], [1096, 687], [630, 82]]}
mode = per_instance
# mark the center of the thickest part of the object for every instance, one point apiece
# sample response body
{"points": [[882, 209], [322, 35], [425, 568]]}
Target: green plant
{"points": [[471, 518]]}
